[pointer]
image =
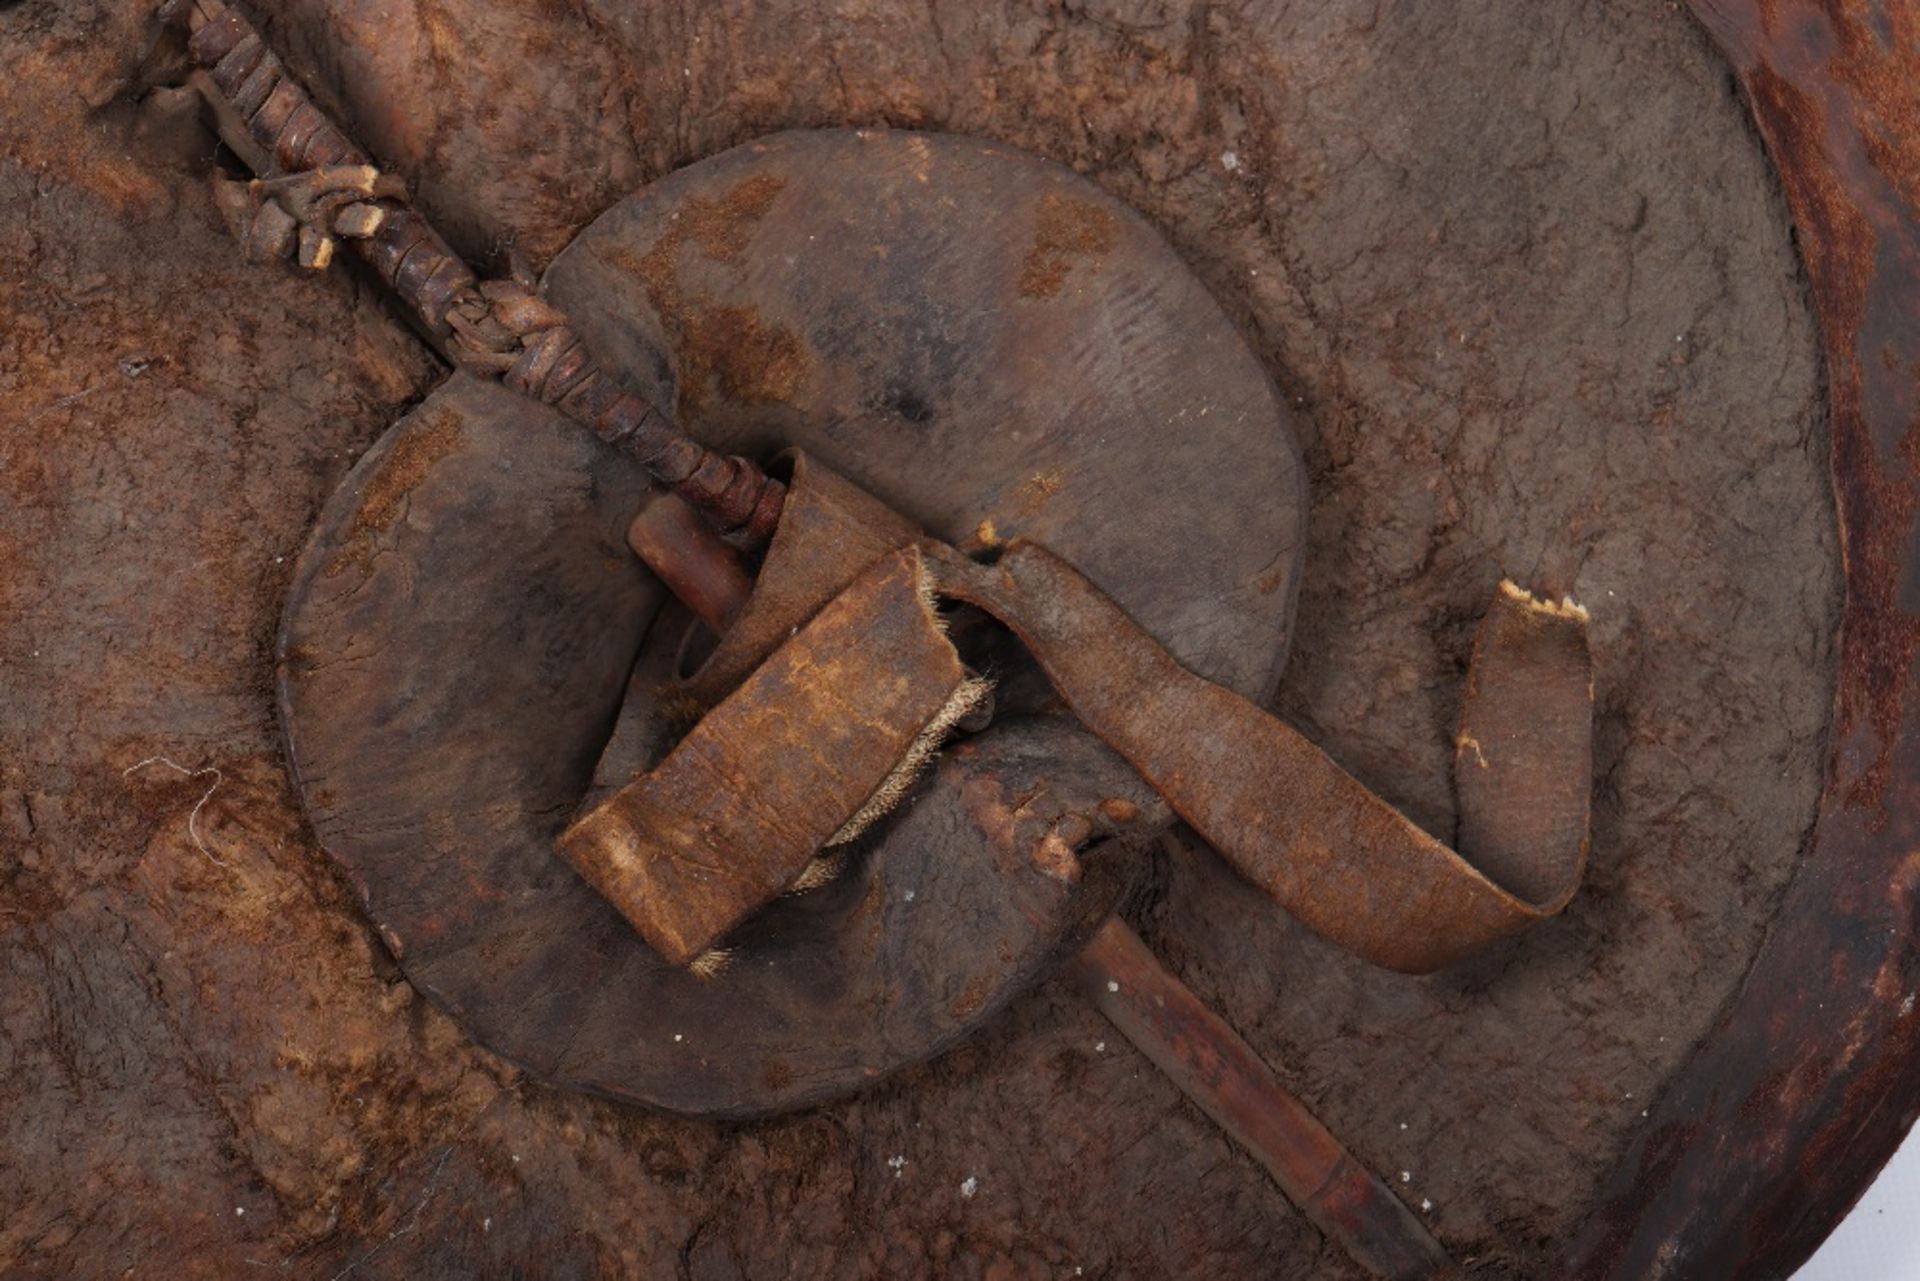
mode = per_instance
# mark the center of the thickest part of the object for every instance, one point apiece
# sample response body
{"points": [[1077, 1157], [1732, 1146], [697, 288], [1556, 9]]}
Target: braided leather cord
{"points": [[497, 329]]}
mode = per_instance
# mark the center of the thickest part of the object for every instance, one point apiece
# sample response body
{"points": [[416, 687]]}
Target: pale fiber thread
{"points": [[968, 695], [920, 753], [712, 963], [193, 819], [825, 867]]}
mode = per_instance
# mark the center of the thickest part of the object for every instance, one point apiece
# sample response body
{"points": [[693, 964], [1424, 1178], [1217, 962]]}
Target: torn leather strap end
{"points": [[820, 738], [1523, 759], [1286, 816]]}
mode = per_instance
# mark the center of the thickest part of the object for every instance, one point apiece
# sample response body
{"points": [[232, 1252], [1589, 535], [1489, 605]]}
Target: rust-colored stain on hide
{"points": [[1029, 498], [721, 228], [414, 457], [748, 360], [971, 998], [1067, 230], [723, 346]]}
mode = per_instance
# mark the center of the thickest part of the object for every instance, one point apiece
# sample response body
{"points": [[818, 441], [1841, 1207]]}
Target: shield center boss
{"points": [[775, 645]]}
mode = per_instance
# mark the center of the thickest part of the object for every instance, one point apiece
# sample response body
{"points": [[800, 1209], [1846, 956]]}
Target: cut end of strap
{"points": [[1566, 607]]}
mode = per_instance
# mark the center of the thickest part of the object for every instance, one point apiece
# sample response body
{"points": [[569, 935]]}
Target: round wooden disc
{"points": [[980, 337]]}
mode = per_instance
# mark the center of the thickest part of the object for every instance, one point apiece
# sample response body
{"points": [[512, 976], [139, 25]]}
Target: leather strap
{"points": [[1292, 821], [1276, 807]]}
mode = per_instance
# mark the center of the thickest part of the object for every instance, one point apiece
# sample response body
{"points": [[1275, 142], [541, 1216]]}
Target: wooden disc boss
{"points": [[968, 535]]}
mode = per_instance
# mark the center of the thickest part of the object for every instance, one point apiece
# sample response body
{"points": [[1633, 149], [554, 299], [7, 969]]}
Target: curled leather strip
{"points": [[1292, 821], [818, 734], [1276, 807]]}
